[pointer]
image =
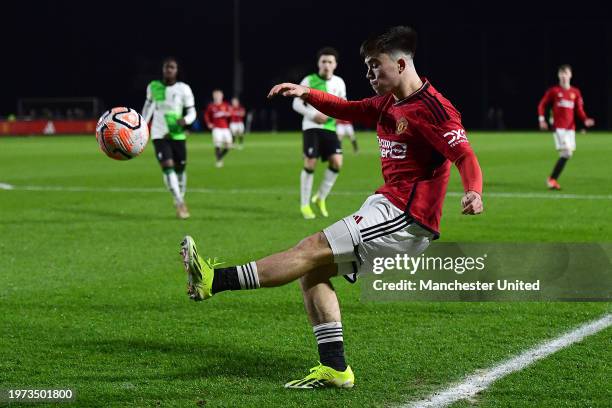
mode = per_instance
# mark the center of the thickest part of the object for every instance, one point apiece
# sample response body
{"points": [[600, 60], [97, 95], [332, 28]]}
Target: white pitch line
{"points": [[481, 380], [267, 191]]}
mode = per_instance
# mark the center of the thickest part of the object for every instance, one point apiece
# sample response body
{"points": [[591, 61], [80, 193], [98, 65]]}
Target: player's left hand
{"points": [[288, 89], [589, 122], [471, 203], [181, 122]]}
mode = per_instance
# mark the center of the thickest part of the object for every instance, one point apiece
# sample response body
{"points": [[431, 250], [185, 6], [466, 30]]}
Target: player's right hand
{"points": [[289, 89], [588, 122], [472, 203], [543, 125]]}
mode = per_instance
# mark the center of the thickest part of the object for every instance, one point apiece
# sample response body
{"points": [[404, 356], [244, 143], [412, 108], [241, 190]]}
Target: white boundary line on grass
{"points": [[480, 381], [364, 193]]}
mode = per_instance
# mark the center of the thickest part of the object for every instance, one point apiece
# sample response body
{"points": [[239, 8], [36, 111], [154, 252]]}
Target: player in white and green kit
{"points": [[172, 106], [319, 134]]}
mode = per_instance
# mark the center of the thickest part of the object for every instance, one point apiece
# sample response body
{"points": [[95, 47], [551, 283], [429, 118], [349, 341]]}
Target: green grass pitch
{"points": [[92, 291]]}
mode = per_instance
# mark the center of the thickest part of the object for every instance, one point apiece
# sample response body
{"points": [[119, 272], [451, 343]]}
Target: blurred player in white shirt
{"points": [[319, 134], [167, 101]]}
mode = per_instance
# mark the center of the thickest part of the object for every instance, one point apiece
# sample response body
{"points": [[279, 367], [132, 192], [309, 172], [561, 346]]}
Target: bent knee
{"points": [[565, 153], [310, 164], [314, 251], [166, 164], [335, 163], [313, 243]]}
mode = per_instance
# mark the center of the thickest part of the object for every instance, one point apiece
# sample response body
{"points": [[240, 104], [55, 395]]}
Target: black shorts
{"points": [[321, 143], [168, 149]]}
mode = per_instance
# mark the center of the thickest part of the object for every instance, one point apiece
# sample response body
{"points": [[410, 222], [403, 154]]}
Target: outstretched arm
{"points": [[449, 138], [355, 111], [471, 178]]}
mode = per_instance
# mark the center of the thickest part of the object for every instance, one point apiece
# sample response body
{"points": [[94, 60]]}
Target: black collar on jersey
{"points": [[416, 93]]}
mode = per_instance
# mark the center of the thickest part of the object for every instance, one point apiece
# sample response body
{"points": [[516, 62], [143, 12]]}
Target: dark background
{"points": [[478, 54]]}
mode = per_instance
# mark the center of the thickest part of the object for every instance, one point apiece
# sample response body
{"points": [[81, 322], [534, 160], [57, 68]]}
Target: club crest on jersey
{"points": [[455, 137], [402, 125], [391, 149]]}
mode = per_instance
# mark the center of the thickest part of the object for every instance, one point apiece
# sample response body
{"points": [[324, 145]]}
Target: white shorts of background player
{"points": [[377, 229], [237, 128], [222, 137], [344, 129], [565, 142]]}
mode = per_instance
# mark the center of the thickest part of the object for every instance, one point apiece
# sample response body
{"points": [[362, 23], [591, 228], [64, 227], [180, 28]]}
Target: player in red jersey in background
{"points": [[565, 100], [237, 122], [345, 128], [217, 116], [420, 135]]}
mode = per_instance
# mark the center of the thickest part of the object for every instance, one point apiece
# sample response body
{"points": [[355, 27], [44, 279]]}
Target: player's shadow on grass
{"points": [[195, 360]]}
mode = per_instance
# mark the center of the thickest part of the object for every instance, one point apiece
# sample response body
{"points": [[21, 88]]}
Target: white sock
{"points": [[182, 181], [328, 332], [328, 182], [172, 183], [306, 179], [247, 276]]}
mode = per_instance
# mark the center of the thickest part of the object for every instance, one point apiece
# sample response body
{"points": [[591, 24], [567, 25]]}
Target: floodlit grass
{"points": [[92, 291]]}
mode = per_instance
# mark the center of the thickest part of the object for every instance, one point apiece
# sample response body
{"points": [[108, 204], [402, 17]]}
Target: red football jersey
{"points": [[564, 102], [217, 115], [237, 114], [418, 138]]}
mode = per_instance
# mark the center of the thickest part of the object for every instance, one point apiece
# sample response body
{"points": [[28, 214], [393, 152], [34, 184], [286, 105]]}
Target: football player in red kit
{"points": [[420, 136], [217, 116], [237, 122], [565, 100]]}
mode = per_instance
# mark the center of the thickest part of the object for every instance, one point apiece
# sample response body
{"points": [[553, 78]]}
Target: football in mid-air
{"points": [[122, 133]]}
